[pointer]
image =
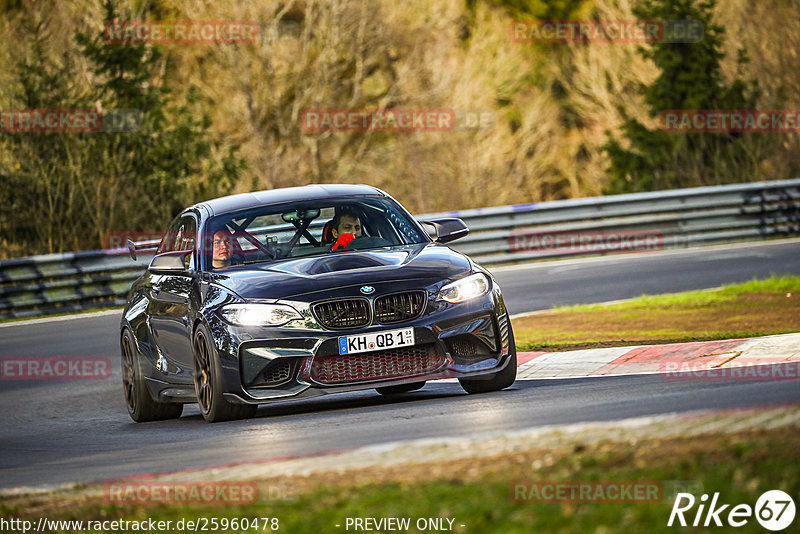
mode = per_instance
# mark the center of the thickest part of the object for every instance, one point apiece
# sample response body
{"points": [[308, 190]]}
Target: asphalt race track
{"points": [[66, 431]]}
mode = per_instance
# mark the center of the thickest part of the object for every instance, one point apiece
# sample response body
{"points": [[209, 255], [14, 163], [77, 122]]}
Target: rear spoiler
{"points": [[151, 244]]}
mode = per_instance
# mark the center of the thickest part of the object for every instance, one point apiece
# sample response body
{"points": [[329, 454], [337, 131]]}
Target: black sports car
{"points": [[291, 293]]}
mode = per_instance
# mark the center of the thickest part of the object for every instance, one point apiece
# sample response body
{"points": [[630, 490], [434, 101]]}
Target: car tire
{"points": [[208, 383], [501, 379], [402, 388], [141, 406]]}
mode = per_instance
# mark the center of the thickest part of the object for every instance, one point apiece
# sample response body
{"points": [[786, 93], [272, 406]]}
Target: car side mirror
{"points": [[133, 247], [169, 262], [448, 229]]}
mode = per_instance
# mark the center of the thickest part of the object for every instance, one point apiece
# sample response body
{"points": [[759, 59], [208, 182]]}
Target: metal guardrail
{"points": [[58, 283]]}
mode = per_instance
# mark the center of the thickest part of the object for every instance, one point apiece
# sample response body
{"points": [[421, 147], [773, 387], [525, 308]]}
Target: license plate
{"points": [[390, 339]]}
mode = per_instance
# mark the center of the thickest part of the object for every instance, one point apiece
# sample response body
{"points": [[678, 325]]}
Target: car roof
{"points": [[288, 194]]}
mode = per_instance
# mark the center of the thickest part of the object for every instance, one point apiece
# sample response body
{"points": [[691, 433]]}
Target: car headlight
{"points": [[259, 314], [469, 287]]}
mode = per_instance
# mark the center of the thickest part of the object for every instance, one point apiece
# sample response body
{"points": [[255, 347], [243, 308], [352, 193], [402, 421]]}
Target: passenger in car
{"points": [[221, 249]]}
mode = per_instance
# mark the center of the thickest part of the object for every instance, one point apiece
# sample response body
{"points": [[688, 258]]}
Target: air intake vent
{"points": [[344, 313], [277, 372], [399, 307], [465, 345], [467, 349], [379, 365]]}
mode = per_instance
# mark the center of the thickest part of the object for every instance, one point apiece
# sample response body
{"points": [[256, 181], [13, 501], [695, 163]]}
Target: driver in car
{"points": [[345, 222]]}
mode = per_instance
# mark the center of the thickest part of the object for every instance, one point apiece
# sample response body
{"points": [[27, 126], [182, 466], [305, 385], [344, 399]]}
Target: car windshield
{"points": [[309, 228]]}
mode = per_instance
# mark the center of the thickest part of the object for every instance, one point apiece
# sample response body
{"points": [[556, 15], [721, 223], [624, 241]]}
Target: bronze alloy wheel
{"points": [[141, 405], [208, 384], [202, 374], [128, 373]]}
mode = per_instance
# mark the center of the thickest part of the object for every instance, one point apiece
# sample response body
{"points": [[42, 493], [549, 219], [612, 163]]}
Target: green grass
{"points": [[694, 299], [750, 309]]}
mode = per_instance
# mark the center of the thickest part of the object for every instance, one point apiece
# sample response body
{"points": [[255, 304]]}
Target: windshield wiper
{"points": [[250, 262]]}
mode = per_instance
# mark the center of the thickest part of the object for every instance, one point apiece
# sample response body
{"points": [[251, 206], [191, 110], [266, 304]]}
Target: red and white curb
{"points": [[726, 356]]}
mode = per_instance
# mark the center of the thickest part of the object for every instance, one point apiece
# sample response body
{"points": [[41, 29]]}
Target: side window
{"points": [[187, 232], [186, 237], [168, 241], [181, 235]]}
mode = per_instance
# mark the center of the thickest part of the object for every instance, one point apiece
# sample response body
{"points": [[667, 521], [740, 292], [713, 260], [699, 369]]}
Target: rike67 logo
{"points": [[774, 510]]}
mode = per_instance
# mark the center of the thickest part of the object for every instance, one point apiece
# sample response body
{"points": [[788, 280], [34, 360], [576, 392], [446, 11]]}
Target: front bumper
{"points": [[263, 365]]}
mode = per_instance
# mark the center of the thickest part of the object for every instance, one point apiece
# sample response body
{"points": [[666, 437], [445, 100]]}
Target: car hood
{"points": [[290, 278]]}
